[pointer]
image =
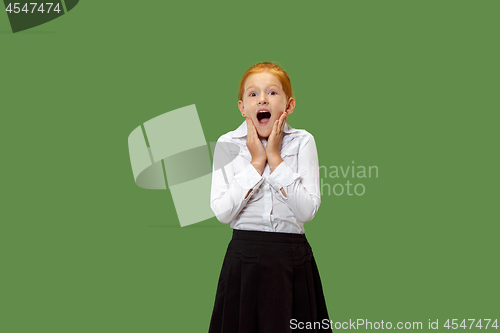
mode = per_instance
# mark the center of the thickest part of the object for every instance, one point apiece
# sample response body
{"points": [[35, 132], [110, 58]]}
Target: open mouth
{"points": [[263, 117]]}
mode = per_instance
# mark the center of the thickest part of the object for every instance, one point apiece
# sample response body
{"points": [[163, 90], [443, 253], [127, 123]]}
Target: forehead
{"points": [[262, 80]]}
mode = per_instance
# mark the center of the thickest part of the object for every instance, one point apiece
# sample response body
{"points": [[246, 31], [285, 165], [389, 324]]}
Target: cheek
{"points": [[281, 102], [247, 104]]}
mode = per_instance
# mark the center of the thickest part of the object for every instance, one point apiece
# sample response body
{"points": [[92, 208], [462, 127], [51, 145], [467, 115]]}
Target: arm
{"points": [[273, 164], [300, 191], [230, 192], [260, 169]]}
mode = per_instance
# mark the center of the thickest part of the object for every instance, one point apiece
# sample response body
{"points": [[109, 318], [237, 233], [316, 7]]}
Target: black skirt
{"points": [[269, 282]]}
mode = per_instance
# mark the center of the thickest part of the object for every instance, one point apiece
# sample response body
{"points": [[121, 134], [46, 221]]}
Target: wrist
{"points": [[274, 159], [273, 156], [258, 162], [273, 164], [259, 166]]}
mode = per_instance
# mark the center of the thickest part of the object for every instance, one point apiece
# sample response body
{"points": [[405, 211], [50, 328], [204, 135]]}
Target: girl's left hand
{"points": [[273, 146]]}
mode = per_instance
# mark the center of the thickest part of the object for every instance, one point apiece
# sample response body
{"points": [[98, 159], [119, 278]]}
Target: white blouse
{"points": [[266, 208]]}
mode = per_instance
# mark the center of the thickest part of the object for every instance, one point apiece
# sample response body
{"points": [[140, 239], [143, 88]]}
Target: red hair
{"points": [[271, 68]]}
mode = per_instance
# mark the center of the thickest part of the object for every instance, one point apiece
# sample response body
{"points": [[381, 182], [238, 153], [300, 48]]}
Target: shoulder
{"points": [[230, 144], [297, 141], [225, 137], [302, 136], [236, 135]]}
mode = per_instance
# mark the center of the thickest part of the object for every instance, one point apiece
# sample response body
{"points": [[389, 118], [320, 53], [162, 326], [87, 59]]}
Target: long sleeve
{"points": [[302, 187], [227, 197]]}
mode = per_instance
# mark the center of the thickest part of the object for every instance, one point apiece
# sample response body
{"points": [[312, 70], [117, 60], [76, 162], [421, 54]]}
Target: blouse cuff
{"points": [[249, 178], [282, 176]]}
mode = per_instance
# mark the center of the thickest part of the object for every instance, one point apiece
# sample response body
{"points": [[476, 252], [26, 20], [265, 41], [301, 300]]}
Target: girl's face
{"points": [[264, 101]]}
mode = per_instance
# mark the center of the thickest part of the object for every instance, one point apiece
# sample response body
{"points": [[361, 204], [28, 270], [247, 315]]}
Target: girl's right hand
{"points": [[254, 145]]}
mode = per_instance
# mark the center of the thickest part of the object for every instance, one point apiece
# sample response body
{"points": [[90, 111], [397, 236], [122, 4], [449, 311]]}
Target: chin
{"points": [[264, 136]]}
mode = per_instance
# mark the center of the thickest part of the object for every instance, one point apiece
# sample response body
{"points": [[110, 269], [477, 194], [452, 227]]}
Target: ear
{"points": [[290, 105], [241, 107]]}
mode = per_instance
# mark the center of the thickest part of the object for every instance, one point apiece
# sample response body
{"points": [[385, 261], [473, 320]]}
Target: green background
{"points": [[408, 86]]}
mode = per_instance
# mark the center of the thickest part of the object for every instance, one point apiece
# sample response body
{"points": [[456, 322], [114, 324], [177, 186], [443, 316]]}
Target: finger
{"points": [[254, 131], [283, 116], [250, 127], [281, 123], [284, 122]]}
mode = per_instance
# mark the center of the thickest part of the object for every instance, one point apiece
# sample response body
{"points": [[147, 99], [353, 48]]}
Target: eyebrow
{"points": [[269, 86]]}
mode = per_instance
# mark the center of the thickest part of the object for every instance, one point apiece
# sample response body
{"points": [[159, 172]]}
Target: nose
{"points": [[263, 99]]}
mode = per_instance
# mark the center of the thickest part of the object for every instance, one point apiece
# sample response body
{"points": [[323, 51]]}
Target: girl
{"points": [[266, 190]]}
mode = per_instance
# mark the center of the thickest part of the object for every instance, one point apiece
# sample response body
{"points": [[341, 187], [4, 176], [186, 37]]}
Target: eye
{"points": [[252, 94], [273, 93]]}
